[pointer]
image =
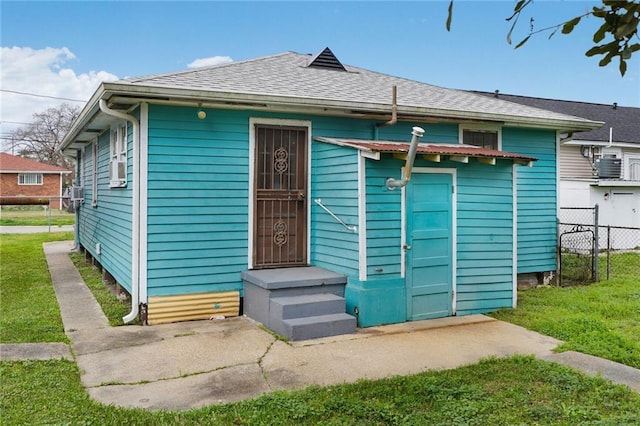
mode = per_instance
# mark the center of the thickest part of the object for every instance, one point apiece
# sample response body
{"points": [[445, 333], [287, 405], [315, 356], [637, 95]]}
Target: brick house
{"points": [[23, 181]]}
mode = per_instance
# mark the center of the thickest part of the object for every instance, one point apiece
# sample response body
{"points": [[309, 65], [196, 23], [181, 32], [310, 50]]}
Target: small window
{"points": [[118, 156], [482, 138], [29, 178], [634, 168]]}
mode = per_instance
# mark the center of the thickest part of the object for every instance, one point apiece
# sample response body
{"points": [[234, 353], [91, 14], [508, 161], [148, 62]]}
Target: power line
{"points": [[41, 96], [13, 122]]}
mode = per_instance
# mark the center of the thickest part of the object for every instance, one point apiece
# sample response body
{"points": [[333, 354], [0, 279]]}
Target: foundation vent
{"points": [[188, 307]]}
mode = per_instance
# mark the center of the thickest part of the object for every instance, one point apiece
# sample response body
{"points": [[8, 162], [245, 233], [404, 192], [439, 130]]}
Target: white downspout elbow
{"points": [[135, 221], [392, 183]]}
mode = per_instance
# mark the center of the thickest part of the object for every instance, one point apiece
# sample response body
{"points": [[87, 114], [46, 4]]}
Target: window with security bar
{"points": [[480, 138]]}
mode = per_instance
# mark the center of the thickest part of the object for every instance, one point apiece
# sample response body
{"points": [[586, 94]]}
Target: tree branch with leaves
{"points": [[617, 36], [41, 139]]}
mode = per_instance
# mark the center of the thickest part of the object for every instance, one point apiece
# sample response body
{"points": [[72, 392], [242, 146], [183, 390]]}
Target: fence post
{"points": [[608, 251], [49, 214], [596, 246]]}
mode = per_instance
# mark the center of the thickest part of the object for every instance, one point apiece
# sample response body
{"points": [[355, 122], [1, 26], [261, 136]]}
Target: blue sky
{"points": [[91, 41]]}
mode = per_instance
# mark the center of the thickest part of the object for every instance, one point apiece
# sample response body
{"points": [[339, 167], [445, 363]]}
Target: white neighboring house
{"points": [[599, 166]]}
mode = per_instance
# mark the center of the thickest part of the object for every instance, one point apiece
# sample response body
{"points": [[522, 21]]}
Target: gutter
{"points": [[172, 94], [135, 221], [132, 93]]}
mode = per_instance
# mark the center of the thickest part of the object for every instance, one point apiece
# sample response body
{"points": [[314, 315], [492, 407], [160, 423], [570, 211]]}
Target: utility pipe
{"points": [[135, 221], [392, 183], [394, 108]]}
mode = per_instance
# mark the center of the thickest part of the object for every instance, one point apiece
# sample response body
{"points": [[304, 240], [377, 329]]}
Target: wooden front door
{"points": [[429, 279], [280, 237]]}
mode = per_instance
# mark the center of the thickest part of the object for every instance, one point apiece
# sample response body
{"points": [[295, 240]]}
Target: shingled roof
{"points": [[625, 121], [14, 164], [303, 83], [289, 74]]}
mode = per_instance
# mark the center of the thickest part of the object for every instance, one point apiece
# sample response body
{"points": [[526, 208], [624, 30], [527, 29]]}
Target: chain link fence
{"points": [[590, 251]]}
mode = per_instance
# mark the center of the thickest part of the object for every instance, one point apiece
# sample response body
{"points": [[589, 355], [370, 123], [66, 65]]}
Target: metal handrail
{"points": [[351, 228]]}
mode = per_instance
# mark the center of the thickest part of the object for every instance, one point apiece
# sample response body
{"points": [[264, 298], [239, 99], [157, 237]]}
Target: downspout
{"points": [[392, 183], [135, 221]]}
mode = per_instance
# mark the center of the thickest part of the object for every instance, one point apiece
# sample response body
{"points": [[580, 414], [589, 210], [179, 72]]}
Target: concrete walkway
{"points": [[10, 229], [198, 363]]}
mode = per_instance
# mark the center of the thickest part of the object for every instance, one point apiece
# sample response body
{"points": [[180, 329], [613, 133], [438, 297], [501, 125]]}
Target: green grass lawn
{"points": [[515, 390], [113, 308], [29, 309], [35, 216], [601, 319]]}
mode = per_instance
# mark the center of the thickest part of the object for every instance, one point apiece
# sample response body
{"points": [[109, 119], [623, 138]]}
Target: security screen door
{"points": [[280, 236]]}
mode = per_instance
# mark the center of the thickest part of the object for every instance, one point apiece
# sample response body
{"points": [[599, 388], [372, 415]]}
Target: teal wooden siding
{"points": [[334, 180], [537, 205], [198, 192], [484, 237], [109, 222], [384, 206], [484, 247], [384, 219], [198, 196]]}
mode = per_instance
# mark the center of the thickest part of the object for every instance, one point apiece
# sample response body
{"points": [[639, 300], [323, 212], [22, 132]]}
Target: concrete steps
{"points": [[298, 303], [319, 326], [306, 305]]}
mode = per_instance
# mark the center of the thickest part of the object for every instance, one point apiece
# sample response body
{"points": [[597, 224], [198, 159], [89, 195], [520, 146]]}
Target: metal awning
{"points": [[435, 152]]}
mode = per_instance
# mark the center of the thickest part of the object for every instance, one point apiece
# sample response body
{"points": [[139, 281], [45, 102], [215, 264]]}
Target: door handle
{"points": [[300, 196], [406, 247]]}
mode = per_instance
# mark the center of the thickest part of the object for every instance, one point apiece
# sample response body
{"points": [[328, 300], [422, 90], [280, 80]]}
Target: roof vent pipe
{"points": [[392, 183], [394, 108]]}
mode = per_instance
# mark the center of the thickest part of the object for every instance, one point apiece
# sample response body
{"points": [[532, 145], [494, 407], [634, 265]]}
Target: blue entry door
{"points": [[429, 246]]}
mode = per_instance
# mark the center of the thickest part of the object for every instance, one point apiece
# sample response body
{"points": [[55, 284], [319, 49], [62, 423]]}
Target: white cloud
{"points": [[207, 62], [43, 72]]}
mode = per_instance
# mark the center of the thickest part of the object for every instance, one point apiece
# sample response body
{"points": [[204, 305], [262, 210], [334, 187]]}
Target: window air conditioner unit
{"points": [[609, 168], [118, 173], [77, 193]]}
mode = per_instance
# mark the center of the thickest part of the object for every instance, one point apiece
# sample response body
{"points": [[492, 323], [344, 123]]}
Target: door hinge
{"points": [[453, 189]]}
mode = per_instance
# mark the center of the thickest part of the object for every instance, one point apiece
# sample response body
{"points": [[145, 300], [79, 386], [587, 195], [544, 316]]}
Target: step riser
{"points": [[319, 329], [282, 312]]}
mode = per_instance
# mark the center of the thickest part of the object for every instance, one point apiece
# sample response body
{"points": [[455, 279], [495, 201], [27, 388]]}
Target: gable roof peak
{"points": [[327, 60]]}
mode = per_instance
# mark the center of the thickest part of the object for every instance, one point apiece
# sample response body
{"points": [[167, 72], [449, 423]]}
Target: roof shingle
{"points": [[625, 121], [14, 164], [287, 74]]}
